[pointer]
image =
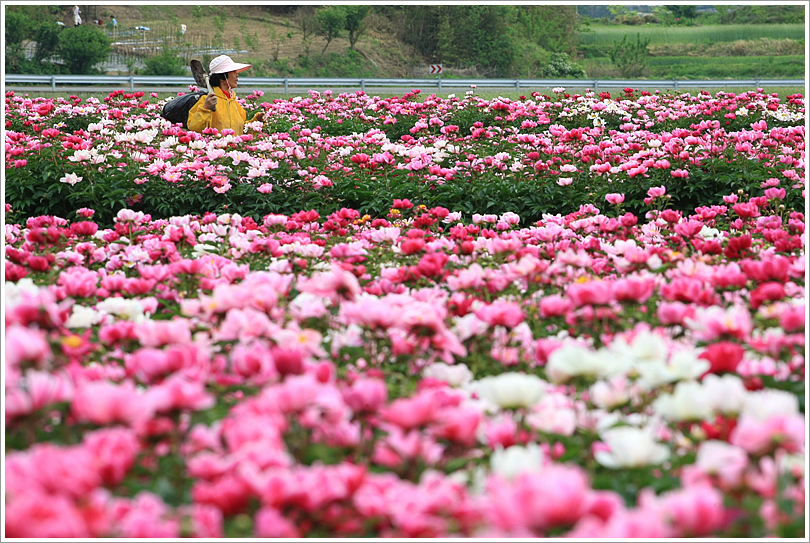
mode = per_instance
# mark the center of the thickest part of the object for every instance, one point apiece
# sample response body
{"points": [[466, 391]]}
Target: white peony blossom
{"points": [[610, 393], [129, 309], [71, 179], [630, 448], [204, 249], [83, 317], [763, 404], [15, 292], [455, 375], [509, 390], [572, 360], [514, 460], [726, 393], [688, 402]]}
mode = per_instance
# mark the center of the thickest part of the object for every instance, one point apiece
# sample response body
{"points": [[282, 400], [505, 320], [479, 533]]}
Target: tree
{"points": [[418, 26], [630, 58], [477, 35], [18, 29], [683, 12], [47, 38], [618, 11], [760, 14], [354, 22], [307, 22], [554, 28], [331, 20], [82, 47]]}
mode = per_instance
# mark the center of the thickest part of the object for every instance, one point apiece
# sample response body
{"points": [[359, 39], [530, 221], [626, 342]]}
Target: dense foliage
{"points": [[339, 325]]}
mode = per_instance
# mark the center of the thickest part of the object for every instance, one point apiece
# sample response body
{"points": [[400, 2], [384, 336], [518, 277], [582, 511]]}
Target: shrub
{"points": [[166, 63], [83, 47], [561, 66], [631, 58]]}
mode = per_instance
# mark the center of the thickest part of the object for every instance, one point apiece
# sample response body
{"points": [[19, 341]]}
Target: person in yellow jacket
{"points": [[219, 109]]}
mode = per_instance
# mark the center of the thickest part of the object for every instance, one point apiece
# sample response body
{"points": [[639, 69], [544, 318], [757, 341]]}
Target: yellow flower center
{"points": [[72, 341]]}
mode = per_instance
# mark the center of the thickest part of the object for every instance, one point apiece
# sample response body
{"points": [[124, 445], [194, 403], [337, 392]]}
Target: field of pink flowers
{"points": [[454, 366]]}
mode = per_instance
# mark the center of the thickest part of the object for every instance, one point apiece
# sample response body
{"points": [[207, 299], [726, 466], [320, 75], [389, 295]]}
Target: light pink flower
{"points": [[590, 293], [147, 517], [114, 450], [103, 402], [501, 313], [656, 192], [458, 425], [400, 446], [180, 393], [714, 322], [555, 496], [39, 389], [269, 522], [412, 412], [695, 511], [366, 395], [726, 461], [761, 436], [41, 515], [554, 305]]}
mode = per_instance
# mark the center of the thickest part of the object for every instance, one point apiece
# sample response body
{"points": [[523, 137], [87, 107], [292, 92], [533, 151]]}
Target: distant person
{"points": [[183, 30], [114, 23], [223, 76], [77, 19]]}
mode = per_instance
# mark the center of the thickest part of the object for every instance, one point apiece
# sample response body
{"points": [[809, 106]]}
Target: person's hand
{"points": [[210, 102], [260, 116]]}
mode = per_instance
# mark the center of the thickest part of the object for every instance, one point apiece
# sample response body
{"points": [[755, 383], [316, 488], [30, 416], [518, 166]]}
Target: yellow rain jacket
{"points": [[229, 114]]}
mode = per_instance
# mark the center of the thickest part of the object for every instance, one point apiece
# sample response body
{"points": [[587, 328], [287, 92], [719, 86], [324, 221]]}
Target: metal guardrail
{"points": [[134, 81]]}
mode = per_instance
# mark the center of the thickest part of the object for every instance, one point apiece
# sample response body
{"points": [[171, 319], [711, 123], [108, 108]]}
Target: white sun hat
{"points": [[224, 64]]}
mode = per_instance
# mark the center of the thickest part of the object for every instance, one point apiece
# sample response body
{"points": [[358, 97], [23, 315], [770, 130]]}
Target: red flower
{"points": [[411, 246], [84, 228], [38, 263], [402, 204], [723, 356], [767, 292], [15, 272]]}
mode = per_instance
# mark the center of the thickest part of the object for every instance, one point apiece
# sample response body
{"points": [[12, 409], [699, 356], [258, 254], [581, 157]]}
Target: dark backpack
{"points": [[176, 110]]}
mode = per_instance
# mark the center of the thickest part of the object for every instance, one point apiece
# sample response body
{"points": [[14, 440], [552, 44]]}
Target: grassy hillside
{"points": [[273, 43], [276, 43]]}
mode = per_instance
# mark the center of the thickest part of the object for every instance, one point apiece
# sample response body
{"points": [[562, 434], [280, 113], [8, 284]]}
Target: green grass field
{"points": [[607, 35], [789, 67], [771, 67]]}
